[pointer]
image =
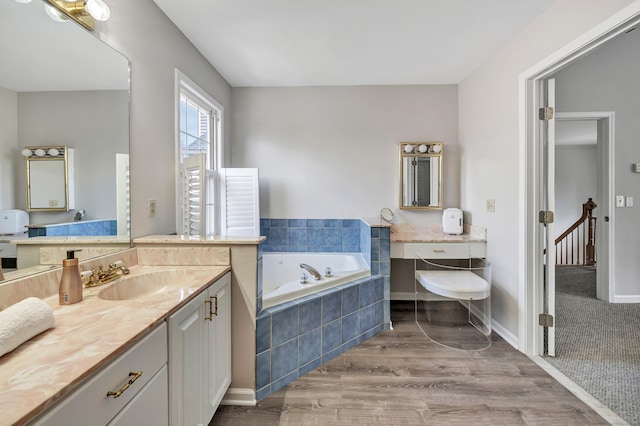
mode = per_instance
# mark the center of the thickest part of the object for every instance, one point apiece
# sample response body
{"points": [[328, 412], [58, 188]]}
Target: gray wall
{"points": [[95, 124], [492, 158], [575, 183], [155, 47], [332, 152], [8, 146], [607, 80]]}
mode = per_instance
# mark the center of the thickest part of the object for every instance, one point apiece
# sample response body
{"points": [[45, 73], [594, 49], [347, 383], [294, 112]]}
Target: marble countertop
{"points": [[85, 239], [432, 233], [8, 238], [376, 222], [191, 239], [47, 367]]}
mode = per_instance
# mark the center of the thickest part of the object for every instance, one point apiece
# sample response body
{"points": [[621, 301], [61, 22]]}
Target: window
{"points": [[195, 129], [198, 158]]}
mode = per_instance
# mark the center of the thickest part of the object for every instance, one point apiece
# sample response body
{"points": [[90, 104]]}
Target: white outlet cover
{"points": [[619, 200]]}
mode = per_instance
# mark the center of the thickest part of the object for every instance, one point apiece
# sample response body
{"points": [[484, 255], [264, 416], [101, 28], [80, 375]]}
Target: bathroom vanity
{"points": [[428, 242], [118, 343]]}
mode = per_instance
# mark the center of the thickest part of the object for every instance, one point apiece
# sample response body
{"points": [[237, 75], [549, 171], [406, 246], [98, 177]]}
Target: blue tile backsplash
{"points": [[311, 235], [75, 229]]}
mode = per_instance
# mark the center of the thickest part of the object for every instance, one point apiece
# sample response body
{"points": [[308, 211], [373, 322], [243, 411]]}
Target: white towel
{"points": [[22, 321]]}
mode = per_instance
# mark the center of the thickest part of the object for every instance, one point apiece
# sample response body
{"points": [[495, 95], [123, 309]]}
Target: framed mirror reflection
{"points": [[421, 175], [62, 86]]}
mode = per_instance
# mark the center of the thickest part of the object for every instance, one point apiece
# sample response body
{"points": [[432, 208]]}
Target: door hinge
{"points": [[545, 113], [545, 320], [545, 216]]}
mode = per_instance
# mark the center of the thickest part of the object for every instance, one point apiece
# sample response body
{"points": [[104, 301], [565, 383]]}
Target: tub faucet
{"points": [[316, 275]]}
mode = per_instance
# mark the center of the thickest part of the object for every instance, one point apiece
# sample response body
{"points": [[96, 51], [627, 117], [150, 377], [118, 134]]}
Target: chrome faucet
{"points": [[316, 275]]}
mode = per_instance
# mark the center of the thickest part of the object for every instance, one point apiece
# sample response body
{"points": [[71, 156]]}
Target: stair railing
{"points": [[577, 245]]}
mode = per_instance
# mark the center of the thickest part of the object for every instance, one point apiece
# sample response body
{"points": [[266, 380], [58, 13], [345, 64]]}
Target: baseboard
{"points": [[239, 396], [508, 336], [626, 299]]}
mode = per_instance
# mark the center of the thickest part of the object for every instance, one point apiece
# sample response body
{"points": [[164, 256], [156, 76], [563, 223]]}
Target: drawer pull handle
{"points": [[126, 385], [210, 317], [438, 250], [216, 304]]}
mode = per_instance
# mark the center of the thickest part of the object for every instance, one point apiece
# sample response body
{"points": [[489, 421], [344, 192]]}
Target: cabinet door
{"points": [[149, 406], [188, 344], [220, 343]]}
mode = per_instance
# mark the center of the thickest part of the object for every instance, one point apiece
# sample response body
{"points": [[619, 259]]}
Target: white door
{"points": [[547, 136]]}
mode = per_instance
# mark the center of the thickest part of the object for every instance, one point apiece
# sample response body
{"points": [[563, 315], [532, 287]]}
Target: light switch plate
{"points": [[619, 200], [151, 208], [491, 205]]}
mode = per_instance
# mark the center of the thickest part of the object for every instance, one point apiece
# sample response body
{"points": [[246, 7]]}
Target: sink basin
{"points": [[146, 284]]}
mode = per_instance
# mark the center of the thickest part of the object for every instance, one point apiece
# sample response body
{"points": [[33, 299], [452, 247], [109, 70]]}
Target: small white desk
{"points": [[428, 242]]}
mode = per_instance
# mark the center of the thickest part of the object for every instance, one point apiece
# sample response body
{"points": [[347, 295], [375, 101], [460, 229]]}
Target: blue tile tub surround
{"points": [[311, 235], [75, 229], [376, 249], [296, 337]]}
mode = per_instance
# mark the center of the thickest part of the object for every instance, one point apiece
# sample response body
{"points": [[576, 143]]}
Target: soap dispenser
{"points": [[70, 282]]}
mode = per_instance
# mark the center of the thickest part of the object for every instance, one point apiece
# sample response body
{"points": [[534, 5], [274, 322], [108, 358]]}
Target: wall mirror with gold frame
{"points": [[421, 175], [60, 85], [50, 180]]}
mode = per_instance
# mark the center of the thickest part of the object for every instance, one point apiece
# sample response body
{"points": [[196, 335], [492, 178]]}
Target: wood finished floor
{"points": [[399, 377]]}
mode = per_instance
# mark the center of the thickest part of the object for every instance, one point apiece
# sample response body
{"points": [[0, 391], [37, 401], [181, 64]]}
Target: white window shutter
{"points": [[240, 202], [194, 195]]}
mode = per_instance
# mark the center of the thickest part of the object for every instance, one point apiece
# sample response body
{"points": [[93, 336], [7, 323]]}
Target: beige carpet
{"points": [[598, 343]]}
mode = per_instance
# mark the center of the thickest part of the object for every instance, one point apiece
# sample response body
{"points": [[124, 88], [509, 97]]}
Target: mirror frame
{"points": [[433, 150], [65, 181]]}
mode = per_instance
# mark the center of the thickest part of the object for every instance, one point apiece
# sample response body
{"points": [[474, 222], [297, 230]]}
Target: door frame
{"points": [[605, 279], [532, 243]]}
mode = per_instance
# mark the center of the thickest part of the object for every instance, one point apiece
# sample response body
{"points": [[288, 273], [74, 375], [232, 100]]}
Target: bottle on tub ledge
{"points": [[70, 282], [452, 221]]}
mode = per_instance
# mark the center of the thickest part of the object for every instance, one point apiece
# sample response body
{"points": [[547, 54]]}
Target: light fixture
{"points": [[408, 148], [23, 1], [43, 151], [83, 12], [55, 14], [98, 9]]}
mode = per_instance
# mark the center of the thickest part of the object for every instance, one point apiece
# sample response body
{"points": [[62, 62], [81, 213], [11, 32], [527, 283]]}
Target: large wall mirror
{"points": [[421, 175], [62, 86]]}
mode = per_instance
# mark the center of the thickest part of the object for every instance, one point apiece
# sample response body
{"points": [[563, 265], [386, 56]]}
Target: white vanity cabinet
{"points": [[200, 355], [144, 401]]}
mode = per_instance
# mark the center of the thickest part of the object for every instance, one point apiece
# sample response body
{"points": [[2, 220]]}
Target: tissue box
{"points": [[452, 221], [13, 221]]}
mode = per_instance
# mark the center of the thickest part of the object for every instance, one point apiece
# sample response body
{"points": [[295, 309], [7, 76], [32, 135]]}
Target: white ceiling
{"points": [[348, 42]]}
